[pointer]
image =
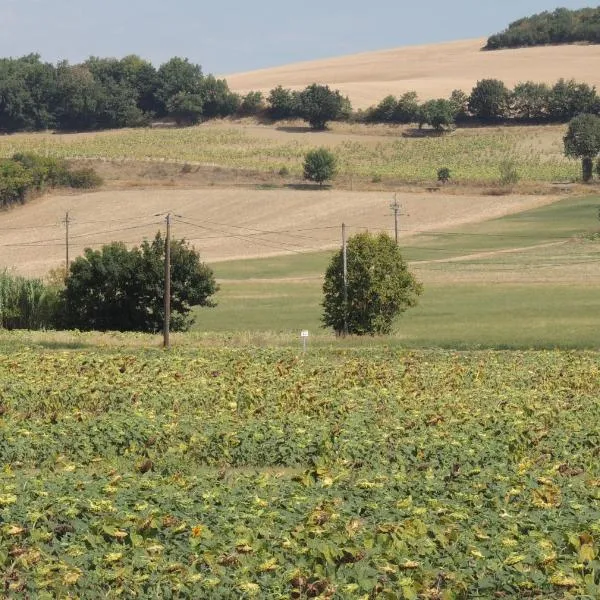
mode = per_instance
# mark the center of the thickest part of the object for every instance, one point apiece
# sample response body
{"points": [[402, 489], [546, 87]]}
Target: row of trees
{"points": [[113, 288], [491, 101], [561, 26], [109, 93]]}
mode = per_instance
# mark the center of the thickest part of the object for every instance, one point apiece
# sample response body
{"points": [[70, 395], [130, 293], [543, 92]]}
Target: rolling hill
{"points": [[431, 70]]}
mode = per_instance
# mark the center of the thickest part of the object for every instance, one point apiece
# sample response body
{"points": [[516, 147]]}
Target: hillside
{"points": [[431, 70]]}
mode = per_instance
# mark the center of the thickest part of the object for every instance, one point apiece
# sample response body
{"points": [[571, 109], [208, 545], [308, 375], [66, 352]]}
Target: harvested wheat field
{"points": [[227, 223], [432, 70]]}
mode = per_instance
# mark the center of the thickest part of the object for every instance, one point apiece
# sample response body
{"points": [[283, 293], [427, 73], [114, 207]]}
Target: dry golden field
{"points": [[431, 70], [226, 223]]}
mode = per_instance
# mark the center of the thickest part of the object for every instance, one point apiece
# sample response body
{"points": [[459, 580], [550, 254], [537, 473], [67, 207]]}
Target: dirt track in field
{"points": [[431, 70], [225, 223]]}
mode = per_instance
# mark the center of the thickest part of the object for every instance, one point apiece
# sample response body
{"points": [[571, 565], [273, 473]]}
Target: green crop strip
{"points": [[366, 473]]}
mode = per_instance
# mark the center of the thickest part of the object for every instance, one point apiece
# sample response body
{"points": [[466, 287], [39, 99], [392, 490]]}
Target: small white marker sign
{"points": [[304, 336]]}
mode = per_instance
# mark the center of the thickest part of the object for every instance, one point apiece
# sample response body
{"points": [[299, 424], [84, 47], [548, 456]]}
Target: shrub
{"points": [[443, 175], [320, 166], [509, 175], [85, 178]]}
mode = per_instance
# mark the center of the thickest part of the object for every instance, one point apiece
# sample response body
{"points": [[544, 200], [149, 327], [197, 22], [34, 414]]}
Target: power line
{"points": [[247, 237]]}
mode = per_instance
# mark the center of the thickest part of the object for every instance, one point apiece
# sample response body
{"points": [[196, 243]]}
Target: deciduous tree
{"points": [[379, 288]]}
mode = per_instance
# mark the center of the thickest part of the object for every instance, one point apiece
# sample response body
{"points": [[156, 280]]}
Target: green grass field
{"points": [[472, 306]]}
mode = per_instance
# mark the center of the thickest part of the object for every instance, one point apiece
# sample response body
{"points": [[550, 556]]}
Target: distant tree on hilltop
{"points": [[561, 26]]}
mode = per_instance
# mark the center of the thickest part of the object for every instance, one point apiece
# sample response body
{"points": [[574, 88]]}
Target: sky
{"points": [[231, 36]]}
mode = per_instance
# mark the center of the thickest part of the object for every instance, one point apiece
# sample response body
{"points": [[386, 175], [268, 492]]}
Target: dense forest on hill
{"points": [[561, 26]]}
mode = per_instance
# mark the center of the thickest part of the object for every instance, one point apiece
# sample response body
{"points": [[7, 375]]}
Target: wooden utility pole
{"points": [[345, 272], [396, 208], [167, 320], [67, 221]]}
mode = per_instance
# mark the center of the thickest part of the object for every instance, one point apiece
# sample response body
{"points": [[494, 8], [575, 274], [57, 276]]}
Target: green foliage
{"points": [[185, 108], [320, 165], [26, 303], [251, 104], [379, 286], [282, 103], [489, 100], [560, 26], [530, 101], [384, 112], [26, 172], [119, 289], [569, 99], [583, 141], [228, 473], [318, 104], [217, 99], [444, 175], [440, 114]]}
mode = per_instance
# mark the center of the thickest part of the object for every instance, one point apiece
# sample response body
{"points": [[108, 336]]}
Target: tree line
{"points": [[104, 93], [561, 26]]}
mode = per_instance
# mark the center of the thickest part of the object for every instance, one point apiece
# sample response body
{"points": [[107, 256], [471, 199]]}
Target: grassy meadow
{"points": [[530, 280]]}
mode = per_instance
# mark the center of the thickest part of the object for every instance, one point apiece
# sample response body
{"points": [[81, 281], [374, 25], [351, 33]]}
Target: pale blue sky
{"points": [[238, 35]]}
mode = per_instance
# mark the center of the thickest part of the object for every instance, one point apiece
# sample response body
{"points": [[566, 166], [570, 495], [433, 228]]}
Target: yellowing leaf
{"points": [[113, 557], [561, 580]]}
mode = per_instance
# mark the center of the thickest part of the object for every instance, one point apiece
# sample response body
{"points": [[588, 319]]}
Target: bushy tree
{"points": [[320, 165], [583, 141], [568, 99], [384, 111], [282, 103], [318, 104], [380, 286], [251, 104], [407, 109], [119, 289], [185, 108], [437, 113], [217, 99], [530, 101], [177, 76], [489, 100]]}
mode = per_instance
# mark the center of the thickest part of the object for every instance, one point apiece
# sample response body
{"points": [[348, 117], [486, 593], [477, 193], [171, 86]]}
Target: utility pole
{"points": [[345, 272], [66, 222], [396, 208], [167, 320]]}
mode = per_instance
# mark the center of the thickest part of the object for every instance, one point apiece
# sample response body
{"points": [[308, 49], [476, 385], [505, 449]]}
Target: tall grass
{"points": [[26, 303]]}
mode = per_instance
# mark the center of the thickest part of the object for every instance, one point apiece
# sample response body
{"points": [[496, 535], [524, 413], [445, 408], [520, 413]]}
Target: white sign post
{"points": [[304, 336]]}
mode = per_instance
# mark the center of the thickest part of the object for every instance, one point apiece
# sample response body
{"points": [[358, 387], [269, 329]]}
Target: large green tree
{"points": [[583, 141], [489, 100], [119, 289], [318, 104], [379, 287]]}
